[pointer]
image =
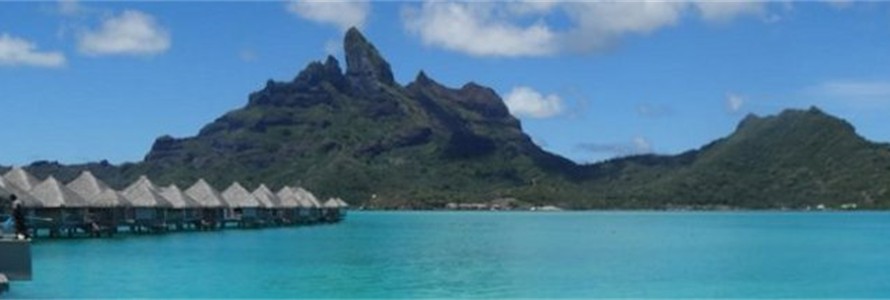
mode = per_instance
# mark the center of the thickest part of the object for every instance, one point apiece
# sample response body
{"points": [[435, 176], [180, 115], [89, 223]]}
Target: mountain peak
{"points": [[331, 62], [421, 77], [425, 81], [787, 117], [364, 64]]}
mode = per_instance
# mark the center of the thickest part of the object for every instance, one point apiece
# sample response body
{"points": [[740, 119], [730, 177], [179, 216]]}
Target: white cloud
{"points": [[526, 102], [734, 102], [343, 14], [600, 24], [725, 11], [130, 33], [16, 51], [476, 29], [526, 28]]}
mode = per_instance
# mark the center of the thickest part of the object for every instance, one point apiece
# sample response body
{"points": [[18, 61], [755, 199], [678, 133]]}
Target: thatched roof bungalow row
{"points": [[87, 191]]}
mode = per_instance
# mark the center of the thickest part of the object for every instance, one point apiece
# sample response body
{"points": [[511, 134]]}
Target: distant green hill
{"points": [[360, 135], [796, 159]]}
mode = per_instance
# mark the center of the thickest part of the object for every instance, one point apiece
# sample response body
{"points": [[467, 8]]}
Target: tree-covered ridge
{"points": [[796, 159]]}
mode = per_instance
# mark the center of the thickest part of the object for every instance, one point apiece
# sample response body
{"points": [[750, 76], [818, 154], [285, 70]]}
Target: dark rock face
{"points": [[164, 146], [471, 103], [484, 100], [365, 68], [316, 73]]}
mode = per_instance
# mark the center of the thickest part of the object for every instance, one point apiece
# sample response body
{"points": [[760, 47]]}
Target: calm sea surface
{"points": [[487, 254]]}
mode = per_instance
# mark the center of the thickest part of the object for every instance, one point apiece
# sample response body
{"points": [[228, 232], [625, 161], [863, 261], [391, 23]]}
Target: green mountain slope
{"points": [[793, 159], [360, 135], [796, 159]]}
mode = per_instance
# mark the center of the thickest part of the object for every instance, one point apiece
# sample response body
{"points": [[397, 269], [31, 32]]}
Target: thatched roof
{"points": [[4, 194], [143, 193], [331, 203], [237, 196], [205, 194], [341, 202], [108, 198], [305, 198], [178, 198], [27, 199], [86, 185], [288, 198], [7, 189], [51, 193], [266, 197], [21, 178]]}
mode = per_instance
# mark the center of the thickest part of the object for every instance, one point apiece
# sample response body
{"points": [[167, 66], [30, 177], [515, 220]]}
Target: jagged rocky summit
{"points": [[361, 131]]}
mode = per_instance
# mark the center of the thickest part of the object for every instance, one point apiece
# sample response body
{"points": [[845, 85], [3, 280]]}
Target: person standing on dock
{"points": [[18, 215]]}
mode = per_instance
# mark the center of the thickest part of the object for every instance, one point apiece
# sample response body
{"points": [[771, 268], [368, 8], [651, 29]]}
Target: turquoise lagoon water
{"points": [[487, 255]]}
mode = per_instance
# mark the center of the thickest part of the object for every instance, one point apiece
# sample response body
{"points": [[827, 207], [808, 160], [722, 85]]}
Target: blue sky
{"points": [[85, 81]]}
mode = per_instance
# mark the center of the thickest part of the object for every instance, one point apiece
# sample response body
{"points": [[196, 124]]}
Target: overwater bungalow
{"points": [[267, 206], [330, 210], [19, 183], [343, 206], [105, 205], [11, 189], [275, 209], [304, 206], [185, 209], [289, 205], [29, 203], [210, 203], [309, 205], [21, 179], [64, 209], [334, 209], [107, 211], [241, 206], [147, 208]]}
